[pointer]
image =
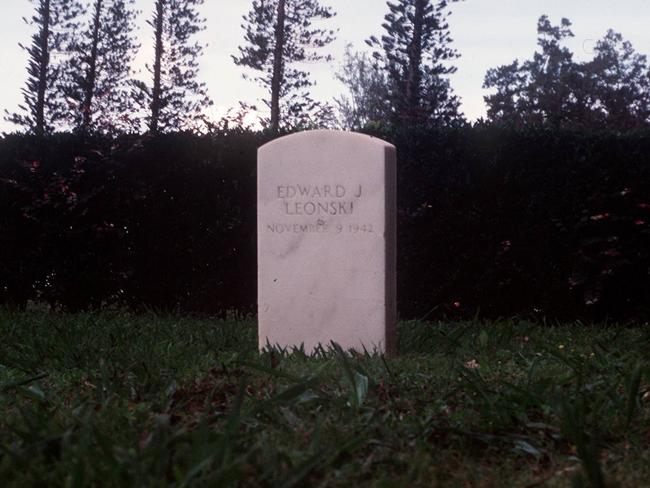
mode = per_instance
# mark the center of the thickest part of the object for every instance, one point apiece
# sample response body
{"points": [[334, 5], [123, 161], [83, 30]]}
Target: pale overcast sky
{"points": [[487, 33]]}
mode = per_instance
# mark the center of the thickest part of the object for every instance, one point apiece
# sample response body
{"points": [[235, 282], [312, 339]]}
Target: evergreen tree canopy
{"points": [[98, 71], [43, 105], [175, 99], [278, 35], [415, 53]]}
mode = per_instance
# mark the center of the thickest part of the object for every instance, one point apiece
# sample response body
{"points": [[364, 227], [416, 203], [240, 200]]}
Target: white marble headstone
{"points": [[326, 242]]}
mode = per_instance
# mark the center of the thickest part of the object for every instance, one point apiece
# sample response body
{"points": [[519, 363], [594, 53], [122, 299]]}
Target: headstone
{"points": [[326, 242]]}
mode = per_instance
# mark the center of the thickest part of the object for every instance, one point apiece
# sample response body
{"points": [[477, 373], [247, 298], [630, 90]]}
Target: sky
{"points": [[487, 33]]}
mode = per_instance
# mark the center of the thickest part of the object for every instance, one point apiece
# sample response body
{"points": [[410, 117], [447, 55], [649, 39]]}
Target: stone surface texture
{"points": [[326, 242]]}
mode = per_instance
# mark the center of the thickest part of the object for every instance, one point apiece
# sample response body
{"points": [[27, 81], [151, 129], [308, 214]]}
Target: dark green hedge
{"points": [[490, 220]]}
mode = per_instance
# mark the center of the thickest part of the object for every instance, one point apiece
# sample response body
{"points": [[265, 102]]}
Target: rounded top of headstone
{"points": [[326, 136]]}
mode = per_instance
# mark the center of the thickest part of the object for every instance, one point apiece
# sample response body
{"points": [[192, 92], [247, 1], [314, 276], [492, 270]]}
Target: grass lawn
{"points": [[120, 400]]}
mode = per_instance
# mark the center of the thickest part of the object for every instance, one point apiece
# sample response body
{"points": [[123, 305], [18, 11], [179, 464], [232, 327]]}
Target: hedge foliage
{"points": [[492, 220]]}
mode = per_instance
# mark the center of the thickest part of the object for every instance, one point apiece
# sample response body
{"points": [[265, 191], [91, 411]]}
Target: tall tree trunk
{"points": [[44, 64], [156, 93], [414, 78], [278, 66], [91, 73]]}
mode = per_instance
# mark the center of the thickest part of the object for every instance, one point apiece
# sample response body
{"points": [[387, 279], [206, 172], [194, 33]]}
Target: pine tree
{"points": [[98, 71], [415, 53], [43, 105], [278, 34], [175, 99]]}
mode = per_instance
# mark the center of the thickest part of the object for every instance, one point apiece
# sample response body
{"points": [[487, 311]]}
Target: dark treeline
{"points": [[81, 76], [541, 208], [609, 92], [80, 73], [504, 222]]}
